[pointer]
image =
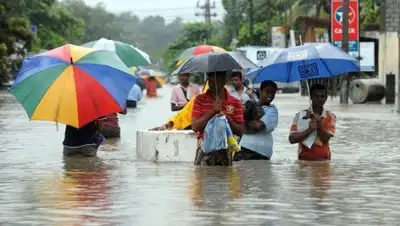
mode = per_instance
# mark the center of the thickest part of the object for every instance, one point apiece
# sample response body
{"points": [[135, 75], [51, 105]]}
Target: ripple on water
{"points": [[359, 187]]}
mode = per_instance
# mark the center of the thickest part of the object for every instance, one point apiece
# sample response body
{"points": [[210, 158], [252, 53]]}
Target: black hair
{"points": [[316, 87], [269, 83], [236, 74]]}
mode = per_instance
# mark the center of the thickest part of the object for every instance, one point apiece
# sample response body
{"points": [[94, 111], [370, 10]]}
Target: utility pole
{"points": [[251, 21], [235, 25], [207, 7], [344, 79], [207, 14]]}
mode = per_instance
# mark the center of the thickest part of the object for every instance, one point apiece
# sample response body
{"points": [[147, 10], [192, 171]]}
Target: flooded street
{"points": [[358, 187]]}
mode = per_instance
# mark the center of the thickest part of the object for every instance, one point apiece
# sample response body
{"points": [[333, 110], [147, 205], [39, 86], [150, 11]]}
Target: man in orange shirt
{"points": [[151, 86], [312, 130]]}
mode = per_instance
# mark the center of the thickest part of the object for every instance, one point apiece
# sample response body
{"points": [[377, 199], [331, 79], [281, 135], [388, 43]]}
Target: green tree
{"points": [[56, 26], [265, 15], [193, 34], [15, 37], [151, 34], [369, 13], [99, 23]]}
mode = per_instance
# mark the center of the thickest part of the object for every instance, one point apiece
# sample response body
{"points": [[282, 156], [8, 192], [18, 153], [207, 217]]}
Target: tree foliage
{"points": [[193, 34], [15, 36], [72, 21], [370, 13], [55, 25]]}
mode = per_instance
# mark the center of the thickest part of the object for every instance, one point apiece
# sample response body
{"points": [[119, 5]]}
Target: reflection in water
{"points": [[214, 183], [319, 175], [82, 188]]}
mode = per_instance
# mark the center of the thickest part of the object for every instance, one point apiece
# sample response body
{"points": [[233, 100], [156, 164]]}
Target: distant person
{"points": [[84, 141], [239, 90], [151, 86], [313, 128], [135, 95], [110, 126], [216, 100], [257, 142], [183, 92]]}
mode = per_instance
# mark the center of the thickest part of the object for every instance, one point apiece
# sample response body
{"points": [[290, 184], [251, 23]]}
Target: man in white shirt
{"points": [[239, 90], [183, 92]]}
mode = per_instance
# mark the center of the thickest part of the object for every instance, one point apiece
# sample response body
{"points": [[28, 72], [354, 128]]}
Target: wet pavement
{"points": [[358, 187]]}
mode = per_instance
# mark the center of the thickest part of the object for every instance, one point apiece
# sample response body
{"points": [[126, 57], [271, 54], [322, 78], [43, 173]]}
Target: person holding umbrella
{"points": [[216, 100], [84, 141], [313, 128], [75, 86]]}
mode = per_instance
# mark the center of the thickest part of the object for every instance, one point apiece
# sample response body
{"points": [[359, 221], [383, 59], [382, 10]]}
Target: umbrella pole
{"points": [[216, 88], [309, 97], [204, 85], [308, 86]]}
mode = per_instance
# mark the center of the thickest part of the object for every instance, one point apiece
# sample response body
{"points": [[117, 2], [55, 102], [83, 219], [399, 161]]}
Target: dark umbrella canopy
{"points": [[208, 62], [245, 62]]}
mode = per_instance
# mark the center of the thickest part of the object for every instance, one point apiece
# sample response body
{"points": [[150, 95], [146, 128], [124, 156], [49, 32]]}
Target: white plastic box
{"points": [[166, 146]]}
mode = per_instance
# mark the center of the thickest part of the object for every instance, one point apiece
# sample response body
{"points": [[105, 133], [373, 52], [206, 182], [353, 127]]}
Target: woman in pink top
{"points": [[183, 92]]}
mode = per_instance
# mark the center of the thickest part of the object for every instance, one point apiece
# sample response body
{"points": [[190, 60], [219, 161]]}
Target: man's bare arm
{"points": [[237, 128], [298, 137]]}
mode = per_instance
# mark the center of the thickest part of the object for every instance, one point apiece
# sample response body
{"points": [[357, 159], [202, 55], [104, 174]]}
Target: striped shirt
{"points": [[231, 107]]}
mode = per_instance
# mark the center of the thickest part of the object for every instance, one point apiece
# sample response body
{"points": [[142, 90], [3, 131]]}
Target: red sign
{"points": [[337, 19]]}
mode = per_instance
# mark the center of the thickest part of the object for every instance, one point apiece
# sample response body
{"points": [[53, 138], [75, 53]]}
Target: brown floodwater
{"points": [[358, 187]]}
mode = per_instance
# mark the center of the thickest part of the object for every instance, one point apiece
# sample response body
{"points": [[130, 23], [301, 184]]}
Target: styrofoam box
{"points": [[166, 146]]}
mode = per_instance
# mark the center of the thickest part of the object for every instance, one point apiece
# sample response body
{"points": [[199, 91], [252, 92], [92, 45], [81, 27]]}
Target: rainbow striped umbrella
{"points": [[130, 55], [197, 50], [73, 85]]}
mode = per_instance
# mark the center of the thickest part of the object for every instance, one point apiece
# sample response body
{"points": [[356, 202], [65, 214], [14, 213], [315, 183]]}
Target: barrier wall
{"points": [[166, 146]]}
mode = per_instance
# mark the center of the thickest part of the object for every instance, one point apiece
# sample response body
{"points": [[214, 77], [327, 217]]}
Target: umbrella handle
{"points": [[255, 91], [309, 97], [204, 86]]}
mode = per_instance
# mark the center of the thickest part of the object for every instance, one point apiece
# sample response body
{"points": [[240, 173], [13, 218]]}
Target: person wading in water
{"points": [[183, 92], [216, 100]]}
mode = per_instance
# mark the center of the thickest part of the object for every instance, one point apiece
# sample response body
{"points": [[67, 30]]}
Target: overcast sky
{"points": [[169, 9]]}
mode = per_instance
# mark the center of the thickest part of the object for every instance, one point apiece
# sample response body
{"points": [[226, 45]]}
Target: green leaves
{"points": [[193, 34], [15, 36], [369, 14]]}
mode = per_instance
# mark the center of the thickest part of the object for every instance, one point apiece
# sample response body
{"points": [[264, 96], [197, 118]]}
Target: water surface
{"points": [[358, 187]]}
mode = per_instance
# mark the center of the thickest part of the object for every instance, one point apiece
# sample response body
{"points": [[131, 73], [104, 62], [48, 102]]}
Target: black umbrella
{"points": [[208, 62], [245, 62]]}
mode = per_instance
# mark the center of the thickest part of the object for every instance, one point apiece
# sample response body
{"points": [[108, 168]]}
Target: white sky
{"points": [[169, 9]]}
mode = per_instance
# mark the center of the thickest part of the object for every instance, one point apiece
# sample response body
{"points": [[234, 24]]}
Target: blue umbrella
{"points": [[305, 62], [252, 73]]}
